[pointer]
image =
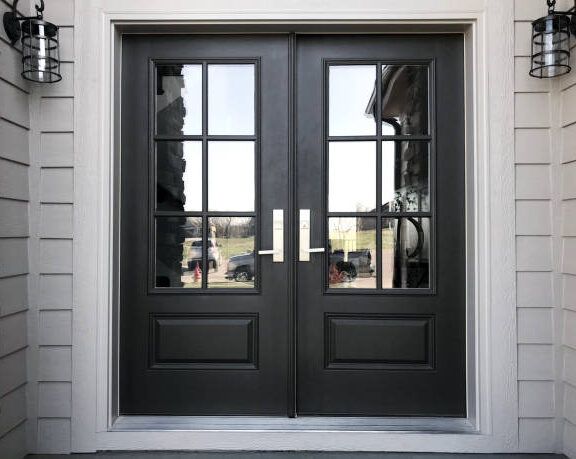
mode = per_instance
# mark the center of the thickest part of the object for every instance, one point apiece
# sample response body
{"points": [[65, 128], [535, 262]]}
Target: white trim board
{"points": [[492, 342]]}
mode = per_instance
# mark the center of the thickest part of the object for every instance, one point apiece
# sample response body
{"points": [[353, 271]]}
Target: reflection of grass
{"points": [[366, 240], [235, 246], [230, 284], [220, 284], [387, 239], [227, 247]]}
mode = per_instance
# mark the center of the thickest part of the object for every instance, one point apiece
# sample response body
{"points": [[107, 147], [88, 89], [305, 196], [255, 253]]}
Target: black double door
{"points": [[292, 226]]}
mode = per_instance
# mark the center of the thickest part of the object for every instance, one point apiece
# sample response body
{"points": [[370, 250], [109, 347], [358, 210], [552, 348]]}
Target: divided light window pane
{"points": [[352, 176], [406, 253], [179, 99], [231, 94], [179, 176], [352, 257], [231, 176], [231, 260], [405, 177], [351, 95], [178, 252], [405, 100]]}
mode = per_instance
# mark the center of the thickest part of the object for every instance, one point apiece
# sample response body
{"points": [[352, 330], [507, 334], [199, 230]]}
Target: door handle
{"points": [[277, 251], [305, 249]]}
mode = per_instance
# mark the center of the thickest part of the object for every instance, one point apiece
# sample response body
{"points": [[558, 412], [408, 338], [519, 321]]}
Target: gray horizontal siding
{"points": [[53, 134], [14, 240]]}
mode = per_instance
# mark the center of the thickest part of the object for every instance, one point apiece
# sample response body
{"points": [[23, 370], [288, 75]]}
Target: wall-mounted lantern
{"points": [[551, 42], [40, 53]]}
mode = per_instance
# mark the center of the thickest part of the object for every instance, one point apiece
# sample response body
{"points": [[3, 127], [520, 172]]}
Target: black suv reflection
{"points": [[241, 267]]}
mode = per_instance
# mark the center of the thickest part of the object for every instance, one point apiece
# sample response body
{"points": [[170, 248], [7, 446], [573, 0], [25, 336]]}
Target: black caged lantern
{"points": [[551, 42], [40, 46]]}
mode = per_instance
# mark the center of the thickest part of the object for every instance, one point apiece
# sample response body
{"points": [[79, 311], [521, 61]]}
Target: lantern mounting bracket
{"points": [[11, 20], [571, 12], [551, 37]]}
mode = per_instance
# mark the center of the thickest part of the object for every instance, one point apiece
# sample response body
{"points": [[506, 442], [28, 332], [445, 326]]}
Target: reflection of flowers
{"points": [[335, 276], [406, 201]]}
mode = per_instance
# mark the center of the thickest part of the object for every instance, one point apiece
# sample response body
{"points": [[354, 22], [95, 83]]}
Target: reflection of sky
{"points": [[350, 89], [231, 164], [193, 176], [353, 164], [352, 176], [231, 176], [230, 112], [388, 185], [192, 95], [231, 99]]}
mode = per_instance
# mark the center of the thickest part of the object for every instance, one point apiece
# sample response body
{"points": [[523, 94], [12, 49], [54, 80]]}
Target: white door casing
{"points": [[488, 30]]}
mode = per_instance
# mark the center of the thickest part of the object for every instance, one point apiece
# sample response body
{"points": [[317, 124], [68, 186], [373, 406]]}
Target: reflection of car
{"points": [[241, 267], [195, 255], [359, 263]]}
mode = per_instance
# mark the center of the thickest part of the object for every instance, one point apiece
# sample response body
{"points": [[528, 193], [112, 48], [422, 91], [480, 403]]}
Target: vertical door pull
{"points": [[305, 249], [277, 251]]}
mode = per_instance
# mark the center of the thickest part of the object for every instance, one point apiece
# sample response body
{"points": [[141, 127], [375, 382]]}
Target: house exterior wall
{"points": [[566, 329], [51, 196], [546, 233], [51, 146], [534, 255], [14, 239]]}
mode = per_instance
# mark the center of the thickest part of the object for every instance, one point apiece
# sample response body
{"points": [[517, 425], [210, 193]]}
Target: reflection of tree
{"points": [[170, 165], [170, 237], [343, 234], [222, 226], [234, 227]]}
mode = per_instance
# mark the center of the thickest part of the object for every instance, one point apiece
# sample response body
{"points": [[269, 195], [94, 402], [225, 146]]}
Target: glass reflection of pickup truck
{"points": [[241, 267], [195, 255], [359, 263]]}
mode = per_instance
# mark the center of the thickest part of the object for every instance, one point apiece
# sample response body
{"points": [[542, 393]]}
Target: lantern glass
{"points": [[550, 46], [40, 53]]}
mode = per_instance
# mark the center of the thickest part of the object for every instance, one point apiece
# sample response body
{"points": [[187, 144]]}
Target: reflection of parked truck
{"points": [[241, 267], [359, 263], [195, 255]]}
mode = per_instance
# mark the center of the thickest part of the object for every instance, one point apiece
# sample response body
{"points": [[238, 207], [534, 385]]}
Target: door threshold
{"points": [[306, 423]]}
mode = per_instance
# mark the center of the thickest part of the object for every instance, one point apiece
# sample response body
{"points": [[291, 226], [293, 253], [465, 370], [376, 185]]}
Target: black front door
{"points": [[204, 320], [381, 312], [292, 237]]}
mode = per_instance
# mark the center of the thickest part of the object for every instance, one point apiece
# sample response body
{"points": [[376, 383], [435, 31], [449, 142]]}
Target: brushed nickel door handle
{"points": [[277, 251], [305, 250]]}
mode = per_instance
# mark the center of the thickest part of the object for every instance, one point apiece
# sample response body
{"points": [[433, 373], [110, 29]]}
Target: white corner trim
{"points": [[492, 139]]}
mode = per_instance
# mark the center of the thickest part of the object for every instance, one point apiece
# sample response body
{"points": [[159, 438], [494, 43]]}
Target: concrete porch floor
{"points": [[290, 455]]}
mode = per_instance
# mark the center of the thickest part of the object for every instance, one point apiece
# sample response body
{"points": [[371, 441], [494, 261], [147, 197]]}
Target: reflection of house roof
{"points": [[396, 82]]}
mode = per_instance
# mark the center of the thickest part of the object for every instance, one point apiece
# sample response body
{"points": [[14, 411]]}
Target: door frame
{"points": [[492, 423]]}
